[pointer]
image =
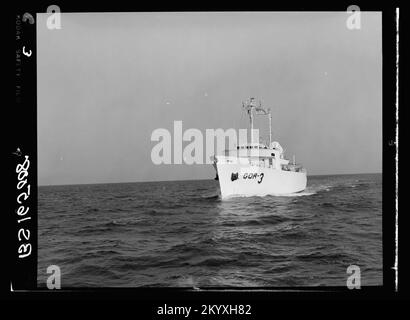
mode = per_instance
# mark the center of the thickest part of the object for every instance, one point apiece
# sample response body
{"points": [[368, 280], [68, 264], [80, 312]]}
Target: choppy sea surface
{"points": [[181, 234]]}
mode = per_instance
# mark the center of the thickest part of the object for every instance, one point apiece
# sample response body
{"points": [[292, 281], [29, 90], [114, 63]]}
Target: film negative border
{"points": [[23, 154]]}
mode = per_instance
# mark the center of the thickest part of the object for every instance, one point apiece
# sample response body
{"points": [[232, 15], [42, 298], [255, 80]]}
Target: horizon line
{"points": [[95, 183]]}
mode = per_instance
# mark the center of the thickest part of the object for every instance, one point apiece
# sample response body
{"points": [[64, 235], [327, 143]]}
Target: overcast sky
{"points": [[106, 81]]}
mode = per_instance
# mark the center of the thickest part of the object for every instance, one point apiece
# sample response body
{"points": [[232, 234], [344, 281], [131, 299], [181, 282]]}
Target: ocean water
{"points": [[181, 234]]}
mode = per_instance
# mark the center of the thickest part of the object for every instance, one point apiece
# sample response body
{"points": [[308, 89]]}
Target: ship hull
{"points": [[237, 179]]}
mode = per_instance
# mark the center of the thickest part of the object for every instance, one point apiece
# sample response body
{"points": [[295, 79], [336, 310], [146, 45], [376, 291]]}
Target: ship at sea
{"points": [[258, 169]]}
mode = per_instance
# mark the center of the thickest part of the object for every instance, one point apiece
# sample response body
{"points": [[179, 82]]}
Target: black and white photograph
{"points": [[127, 106], [208, 150]]}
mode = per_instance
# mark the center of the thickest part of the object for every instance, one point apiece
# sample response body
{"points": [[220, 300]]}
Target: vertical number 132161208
{"points": [[24, 250]]}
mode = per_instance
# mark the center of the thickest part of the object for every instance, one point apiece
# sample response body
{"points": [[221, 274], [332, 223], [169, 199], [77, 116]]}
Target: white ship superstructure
{"points": [[257, 169]]}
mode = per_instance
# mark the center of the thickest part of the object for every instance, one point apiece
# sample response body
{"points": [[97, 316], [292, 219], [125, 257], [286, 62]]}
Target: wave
{"points": [[309, 191], [159, 211], [207, 198], [324, 256], [186, 236], [213, 262], [127, 222], [254, 222], [95, 270], [187, 281], [215, 196], [298, 194], [327, 204]]}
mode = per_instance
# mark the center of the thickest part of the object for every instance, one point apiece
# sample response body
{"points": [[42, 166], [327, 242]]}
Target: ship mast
{"points": [[250, 105], [251, 117], [270, 128]]}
